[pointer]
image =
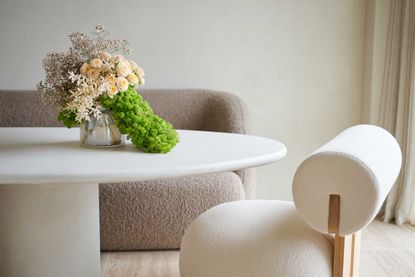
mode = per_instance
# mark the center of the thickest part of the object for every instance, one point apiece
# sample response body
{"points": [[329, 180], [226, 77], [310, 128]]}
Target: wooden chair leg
{"points": [[355, 259], [346, 248]]}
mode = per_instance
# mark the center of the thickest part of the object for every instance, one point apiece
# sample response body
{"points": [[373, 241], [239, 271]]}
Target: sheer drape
{"points": [[397, 107]]}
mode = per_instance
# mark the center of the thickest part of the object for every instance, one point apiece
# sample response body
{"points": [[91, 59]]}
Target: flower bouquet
{"points": [[93, 82]]}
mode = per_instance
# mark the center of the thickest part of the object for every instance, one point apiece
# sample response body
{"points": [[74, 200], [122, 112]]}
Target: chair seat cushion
{"points": [[154, 214], [255, 238]]}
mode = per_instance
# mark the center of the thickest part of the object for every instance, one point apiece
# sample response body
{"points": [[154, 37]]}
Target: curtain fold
{"points": [[397, 107]]}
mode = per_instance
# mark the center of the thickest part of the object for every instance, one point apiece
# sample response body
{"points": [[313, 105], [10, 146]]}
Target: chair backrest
{"points": [[342, 185], [360, 165]]}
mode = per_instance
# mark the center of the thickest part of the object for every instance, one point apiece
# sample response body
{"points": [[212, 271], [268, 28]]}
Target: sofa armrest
{"points": [[204, 110]]}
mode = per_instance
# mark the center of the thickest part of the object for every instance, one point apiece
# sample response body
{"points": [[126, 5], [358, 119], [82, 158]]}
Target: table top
{"points": [[54, 155]]}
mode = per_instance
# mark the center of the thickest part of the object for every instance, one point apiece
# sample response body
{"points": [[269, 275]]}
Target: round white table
{"points": [[49, 208]]}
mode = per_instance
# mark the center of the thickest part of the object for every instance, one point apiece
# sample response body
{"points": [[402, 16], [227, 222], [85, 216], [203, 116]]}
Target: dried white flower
{"points": [[99, 28], [73, 77]]}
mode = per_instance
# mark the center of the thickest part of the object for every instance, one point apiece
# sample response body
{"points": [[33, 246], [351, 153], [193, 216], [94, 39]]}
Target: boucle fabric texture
{"points": [[254, 238], [24, 109], [360, 164], [153, 218], [161, 221]]}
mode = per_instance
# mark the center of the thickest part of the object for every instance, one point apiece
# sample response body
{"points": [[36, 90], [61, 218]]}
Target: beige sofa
{"points": [[153, 214]]}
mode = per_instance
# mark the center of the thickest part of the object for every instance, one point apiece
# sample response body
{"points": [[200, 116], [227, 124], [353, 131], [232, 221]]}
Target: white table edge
{"points": [[10, 179]]}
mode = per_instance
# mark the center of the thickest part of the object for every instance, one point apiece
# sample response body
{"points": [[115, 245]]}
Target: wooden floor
{"points": [[387, 250], [140, 264]]}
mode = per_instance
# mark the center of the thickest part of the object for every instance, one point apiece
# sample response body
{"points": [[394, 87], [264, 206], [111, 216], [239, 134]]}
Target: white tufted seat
{"points": [[263, 238], [254, 238]]}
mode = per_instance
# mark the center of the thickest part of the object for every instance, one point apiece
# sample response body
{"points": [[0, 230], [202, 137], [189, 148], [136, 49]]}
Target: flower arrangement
{"points": [[91, 77]]}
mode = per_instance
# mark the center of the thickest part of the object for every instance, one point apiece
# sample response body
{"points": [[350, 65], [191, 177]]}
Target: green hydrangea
{"points": [[68, 118], [134, 117]]}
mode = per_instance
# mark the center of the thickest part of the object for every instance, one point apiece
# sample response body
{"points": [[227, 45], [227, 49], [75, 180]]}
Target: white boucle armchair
{"points": [[337, 191]]}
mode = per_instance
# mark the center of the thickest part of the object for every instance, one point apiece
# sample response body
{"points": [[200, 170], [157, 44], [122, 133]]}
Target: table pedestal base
{"points": [[49, 230]]}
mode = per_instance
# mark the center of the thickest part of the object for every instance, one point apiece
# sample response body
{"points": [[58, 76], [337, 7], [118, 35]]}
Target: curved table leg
{"points": [[49, 230]]}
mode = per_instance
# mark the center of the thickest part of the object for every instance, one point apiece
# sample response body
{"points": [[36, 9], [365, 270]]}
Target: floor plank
{"points": [[140, 264], [387, 250]]}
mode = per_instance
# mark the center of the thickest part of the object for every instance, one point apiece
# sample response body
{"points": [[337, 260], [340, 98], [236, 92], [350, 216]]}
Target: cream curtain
{"points": [[397, 111]]}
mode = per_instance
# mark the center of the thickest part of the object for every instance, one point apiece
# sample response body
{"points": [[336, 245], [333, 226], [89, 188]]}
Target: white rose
{"points": [[132, 78], [123, 69], [111, 79], [108, 66], [139, 71], [141, 80], [96, 63], [122, 84], [112, 90], [105, 56], [93, 73], [133, 64], [84, 68]]}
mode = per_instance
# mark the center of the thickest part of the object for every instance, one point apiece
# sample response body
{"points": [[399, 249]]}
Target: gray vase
{"points": [[101, 131]]}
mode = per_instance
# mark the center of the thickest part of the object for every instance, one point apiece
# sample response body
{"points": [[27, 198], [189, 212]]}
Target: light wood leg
{"points": [[346, 248], [355, 261], [49, 230]]}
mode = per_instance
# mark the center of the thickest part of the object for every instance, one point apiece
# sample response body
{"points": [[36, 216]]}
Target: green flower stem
{"points": [[134, 117]]}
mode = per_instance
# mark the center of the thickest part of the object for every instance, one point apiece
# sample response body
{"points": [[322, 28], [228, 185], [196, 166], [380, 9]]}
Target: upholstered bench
{"points": [[337, 190]]}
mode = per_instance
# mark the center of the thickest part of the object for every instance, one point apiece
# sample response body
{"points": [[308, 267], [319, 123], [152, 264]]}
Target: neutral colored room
{"points": [[189, 138]]}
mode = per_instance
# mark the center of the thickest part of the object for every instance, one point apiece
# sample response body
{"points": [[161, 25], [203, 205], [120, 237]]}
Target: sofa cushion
{"points": [[154, 214]]}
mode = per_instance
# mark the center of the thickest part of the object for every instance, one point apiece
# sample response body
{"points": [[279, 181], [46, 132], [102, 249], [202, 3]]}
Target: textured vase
{"points": [[101, 131]]}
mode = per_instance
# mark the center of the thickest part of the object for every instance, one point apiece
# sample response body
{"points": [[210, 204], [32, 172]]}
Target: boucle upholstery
{"points": [[361, 165], [154, 214], [254, 238], [151, 220], [186, 109], [257, 238]]}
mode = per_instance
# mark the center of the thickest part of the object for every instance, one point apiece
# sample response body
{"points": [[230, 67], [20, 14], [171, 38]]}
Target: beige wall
{"points": [[297, 63]]}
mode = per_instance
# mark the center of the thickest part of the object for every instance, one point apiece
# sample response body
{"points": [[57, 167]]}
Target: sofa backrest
{"points": [[185, 109], [24, 109]]}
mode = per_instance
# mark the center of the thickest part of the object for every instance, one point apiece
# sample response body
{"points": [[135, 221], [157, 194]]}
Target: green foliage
{"points": [[68, 118], [134, 117]]}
